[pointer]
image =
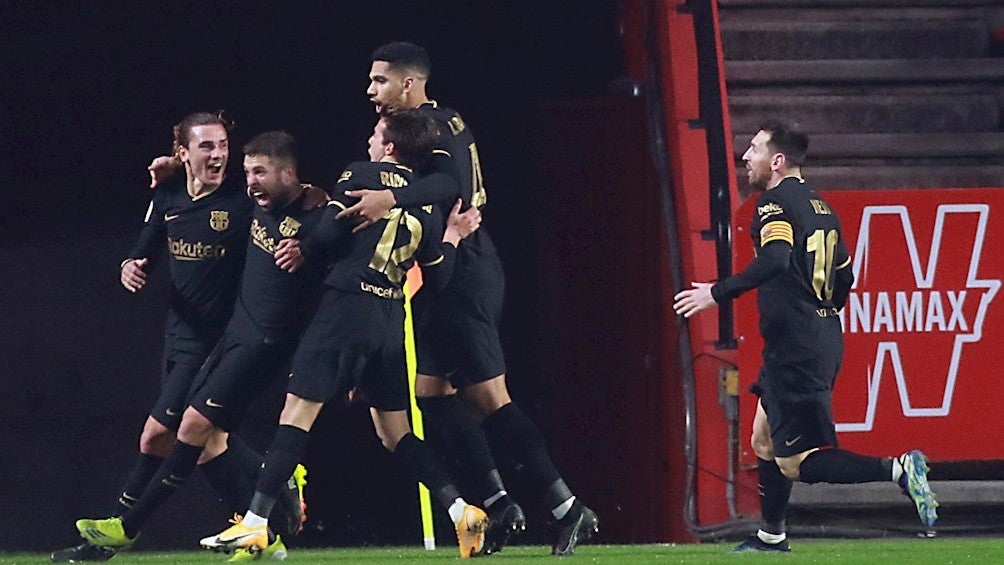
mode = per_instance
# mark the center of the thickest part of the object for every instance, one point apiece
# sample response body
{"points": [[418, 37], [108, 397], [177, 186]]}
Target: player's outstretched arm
{"points": [[686, 303], [438, 184]]}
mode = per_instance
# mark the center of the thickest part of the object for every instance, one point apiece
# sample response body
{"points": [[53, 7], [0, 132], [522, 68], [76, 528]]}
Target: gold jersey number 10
{"points": [[822, 245]]}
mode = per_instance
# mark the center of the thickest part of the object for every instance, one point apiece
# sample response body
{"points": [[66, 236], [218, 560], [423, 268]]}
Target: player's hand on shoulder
{"points": [[162, 168], [131, 274], [289, 256], [688, 302], [372, 205], [316, 197]]}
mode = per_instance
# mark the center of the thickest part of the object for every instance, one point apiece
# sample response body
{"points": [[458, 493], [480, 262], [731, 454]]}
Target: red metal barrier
{"points": [[674, 49]]}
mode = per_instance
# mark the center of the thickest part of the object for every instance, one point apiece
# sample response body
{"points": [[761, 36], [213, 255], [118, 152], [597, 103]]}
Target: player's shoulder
{"points": [[358, 171], [769, 204], [437, 111], [233, 187], [313, 197], [234, 192], [446, 117], [789, 196], [375, 175], [170, 189], [799, 197]]}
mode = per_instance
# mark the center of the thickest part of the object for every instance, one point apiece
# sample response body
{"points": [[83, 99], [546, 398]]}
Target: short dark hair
{"points": [[785, 139], [402, 54], [414, 135], [276, 145], [183, 129]]}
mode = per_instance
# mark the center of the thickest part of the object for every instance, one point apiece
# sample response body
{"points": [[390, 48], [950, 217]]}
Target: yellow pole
{"points": [[424, 500]]}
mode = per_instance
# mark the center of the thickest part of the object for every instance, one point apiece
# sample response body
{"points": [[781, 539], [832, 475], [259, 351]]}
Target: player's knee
{"points": [[215, 445], [489, 396], [195, 428], [762, 447], [156, 440], [426, 385], [389, 439], [789, 467]]}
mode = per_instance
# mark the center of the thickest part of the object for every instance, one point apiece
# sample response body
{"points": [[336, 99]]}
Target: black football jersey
{"points": [[376, 259], [205, 238], [457, 140], [804, 284], [273, 302], [793, 212]]}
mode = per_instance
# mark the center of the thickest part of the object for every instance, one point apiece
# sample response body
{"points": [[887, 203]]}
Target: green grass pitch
{"points": [[843, 552]]}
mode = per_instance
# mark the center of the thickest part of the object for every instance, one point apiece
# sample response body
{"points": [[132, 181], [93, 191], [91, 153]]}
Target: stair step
{"points": [[858, 71], [902, 89], [838, 177], [724, 4], [950, 493], [868, 12], [869, 113], [753, 39], [895, 145]]}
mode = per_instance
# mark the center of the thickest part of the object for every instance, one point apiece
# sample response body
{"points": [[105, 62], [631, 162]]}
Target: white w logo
{"points": [[924, 279]]}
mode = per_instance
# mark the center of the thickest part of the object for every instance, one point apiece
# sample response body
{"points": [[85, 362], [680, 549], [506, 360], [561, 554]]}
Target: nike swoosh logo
{"points": [[169, 218], [211, 404], [170, 412], [237, 537], [790, 443], [173, 480]]}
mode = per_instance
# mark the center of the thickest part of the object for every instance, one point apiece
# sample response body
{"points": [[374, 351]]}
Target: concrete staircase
{"points": [[894, 93]]}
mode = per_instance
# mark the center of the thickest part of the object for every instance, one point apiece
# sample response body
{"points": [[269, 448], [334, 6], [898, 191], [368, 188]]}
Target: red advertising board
{"points": [[923, 326]]}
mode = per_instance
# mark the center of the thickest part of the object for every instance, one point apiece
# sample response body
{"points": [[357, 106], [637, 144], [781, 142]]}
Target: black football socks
{"points": [[843, 467], [453, 432], [775, 489], [285, 452], [171, 475], [139, 477]]}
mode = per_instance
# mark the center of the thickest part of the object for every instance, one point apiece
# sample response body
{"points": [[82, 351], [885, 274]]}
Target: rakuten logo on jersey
{"points": [[919, 299]]}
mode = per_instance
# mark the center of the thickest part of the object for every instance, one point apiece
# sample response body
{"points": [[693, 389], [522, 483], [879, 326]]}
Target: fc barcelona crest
{"points": [[219, 220], [288, 227]]}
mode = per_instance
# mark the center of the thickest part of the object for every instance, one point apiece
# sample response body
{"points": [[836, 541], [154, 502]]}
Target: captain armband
{"points": [[777, 230]]}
